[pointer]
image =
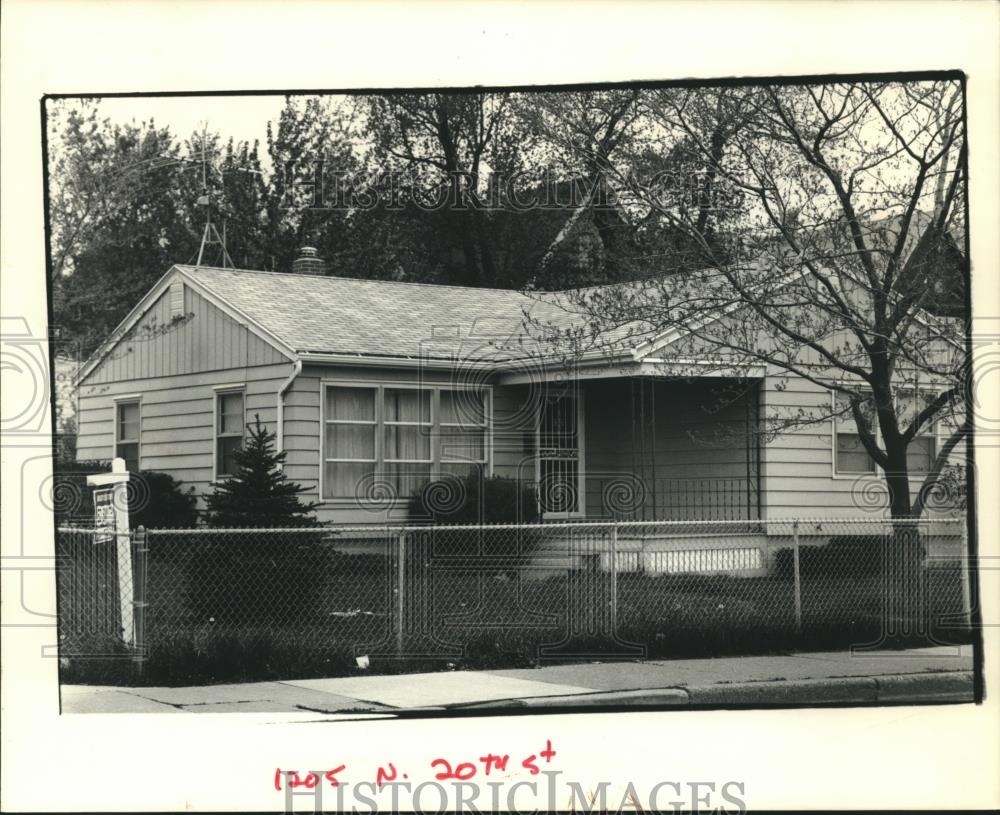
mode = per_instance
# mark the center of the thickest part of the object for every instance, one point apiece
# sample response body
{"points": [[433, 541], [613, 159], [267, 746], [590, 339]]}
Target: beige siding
{"points": [[177, 418], [175, 370], [798, 464], [206, 340]]}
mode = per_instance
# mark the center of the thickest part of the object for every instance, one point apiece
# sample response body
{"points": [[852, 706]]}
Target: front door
{"points": [[560, 459]]}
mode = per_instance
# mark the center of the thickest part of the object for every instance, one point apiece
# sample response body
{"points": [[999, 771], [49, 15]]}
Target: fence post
{"points": [[965, 564], [613, 568], [139, 598], [400, 590], [796, 577]]}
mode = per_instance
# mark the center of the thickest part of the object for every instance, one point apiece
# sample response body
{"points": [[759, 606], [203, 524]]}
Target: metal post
{"points": [[139, 598], [964, 565], [400, 590], [613, 568], [796, 577]]}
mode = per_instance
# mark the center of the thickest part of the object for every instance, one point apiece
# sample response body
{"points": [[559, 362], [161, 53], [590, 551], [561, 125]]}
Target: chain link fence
{"points": [[216, 604], [100, 579]]}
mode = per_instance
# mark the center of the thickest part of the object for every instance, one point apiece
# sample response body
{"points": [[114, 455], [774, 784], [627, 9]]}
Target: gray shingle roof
{"points": [[338, 315]]}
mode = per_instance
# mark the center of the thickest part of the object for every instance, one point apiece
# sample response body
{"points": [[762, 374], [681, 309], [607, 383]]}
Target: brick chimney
{"points": [[308, 262]]}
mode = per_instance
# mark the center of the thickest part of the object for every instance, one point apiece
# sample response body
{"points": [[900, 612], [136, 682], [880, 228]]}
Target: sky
{"points": [[244, 118]]}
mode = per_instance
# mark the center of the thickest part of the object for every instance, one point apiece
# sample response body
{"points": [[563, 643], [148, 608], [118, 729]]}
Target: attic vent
{"points": [[177, 298]]}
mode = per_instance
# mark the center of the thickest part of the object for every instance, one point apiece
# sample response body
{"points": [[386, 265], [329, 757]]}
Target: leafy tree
{"points": [[311, 148], [443, 149], [259, 494], [118, 222], [123, 208]]}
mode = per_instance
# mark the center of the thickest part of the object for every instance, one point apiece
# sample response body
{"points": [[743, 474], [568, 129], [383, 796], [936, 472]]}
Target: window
{"points": [[852, 457], [402, 436], [559, 453], [464, 432], [127, 433], [229, 425], [407, 428], [349, 441], [922, 449], [850, 454], [920, 454]]}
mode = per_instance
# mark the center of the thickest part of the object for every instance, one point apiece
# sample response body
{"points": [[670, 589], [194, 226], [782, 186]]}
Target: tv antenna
{"points": [[210, 234]]}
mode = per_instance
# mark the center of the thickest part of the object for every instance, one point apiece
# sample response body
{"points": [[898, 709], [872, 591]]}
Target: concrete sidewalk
{"points": [[942, 674]]}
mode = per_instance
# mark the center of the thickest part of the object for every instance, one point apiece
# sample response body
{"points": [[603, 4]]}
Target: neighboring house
{"points": [[374, 387]]}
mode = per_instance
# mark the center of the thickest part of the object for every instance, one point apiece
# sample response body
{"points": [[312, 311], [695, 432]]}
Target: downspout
{"points": [[296, 370]]}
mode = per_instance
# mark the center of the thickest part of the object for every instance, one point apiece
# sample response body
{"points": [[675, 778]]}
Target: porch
{"points": [[644, 449]]}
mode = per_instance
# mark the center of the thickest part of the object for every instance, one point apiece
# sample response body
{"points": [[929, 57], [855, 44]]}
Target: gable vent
{"points": [[177, 298]]}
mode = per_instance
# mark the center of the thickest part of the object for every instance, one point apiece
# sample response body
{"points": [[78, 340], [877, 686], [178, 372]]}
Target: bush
{"points": [[855, 556], [156, 500], [161, 502], [474, 499], [72, 499]]}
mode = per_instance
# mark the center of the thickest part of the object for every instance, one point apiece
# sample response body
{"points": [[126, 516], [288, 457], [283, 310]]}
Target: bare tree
{"points": [[832, 266]]}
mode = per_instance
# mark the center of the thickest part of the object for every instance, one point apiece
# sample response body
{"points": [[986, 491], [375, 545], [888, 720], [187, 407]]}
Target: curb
{"points": [[953, 686], [787, 692], [945, 686]]}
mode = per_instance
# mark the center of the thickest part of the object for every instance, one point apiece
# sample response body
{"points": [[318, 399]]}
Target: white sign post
{"points": [[113, 500]]}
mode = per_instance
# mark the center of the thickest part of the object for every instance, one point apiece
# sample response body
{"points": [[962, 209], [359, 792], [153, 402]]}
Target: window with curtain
{"points": [[463, 432], [407, 432], [230, 422], [402, 435], [851, 455], [349, 439], [127, 433]]}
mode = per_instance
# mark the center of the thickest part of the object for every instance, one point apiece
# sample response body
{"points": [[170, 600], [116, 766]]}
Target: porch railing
{"points": [[628, 497]]}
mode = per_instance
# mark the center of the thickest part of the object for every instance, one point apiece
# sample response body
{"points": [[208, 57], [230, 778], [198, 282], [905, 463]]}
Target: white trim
{"points": [[379, 387], [374, 361], [149, 300], [221, 391]]}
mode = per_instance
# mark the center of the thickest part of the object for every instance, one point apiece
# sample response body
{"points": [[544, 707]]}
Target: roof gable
{"points": [[155, 297]]}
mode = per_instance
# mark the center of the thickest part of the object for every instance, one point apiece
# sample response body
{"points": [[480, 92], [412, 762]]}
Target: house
{"points": [[375, 387]]}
